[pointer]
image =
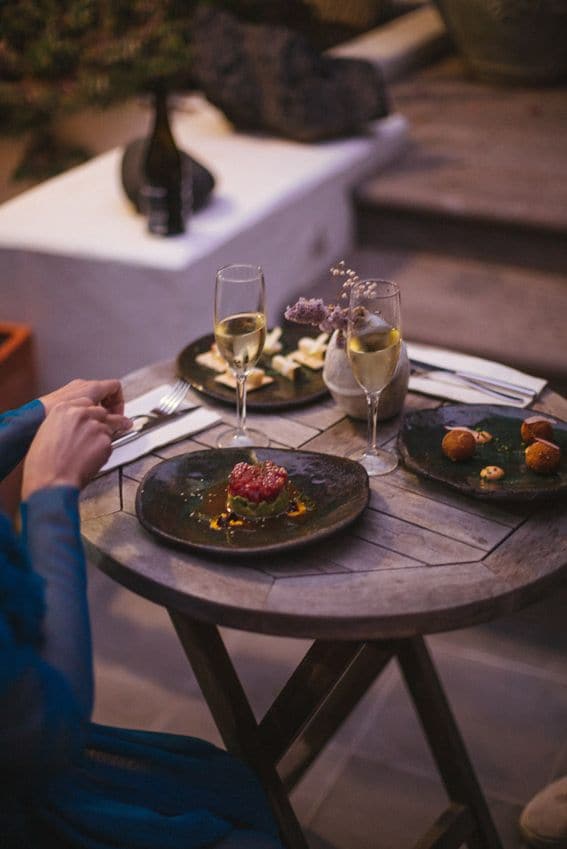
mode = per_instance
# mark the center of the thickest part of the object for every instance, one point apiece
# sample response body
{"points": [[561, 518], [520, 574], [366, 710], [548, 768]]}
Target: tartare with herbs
{"points": [[258, 490]]}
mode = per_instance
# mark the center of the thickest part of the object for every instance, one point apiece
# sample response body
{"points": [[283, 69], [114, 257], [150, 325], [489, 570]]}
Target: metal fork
{"points": [[170, 402], [166, 406]]}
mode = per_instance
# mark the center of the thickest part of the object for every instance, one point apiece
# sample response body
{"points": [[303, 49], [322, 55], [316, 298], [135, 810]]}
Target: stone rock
{"points": [[203, 182], [270, 78]]}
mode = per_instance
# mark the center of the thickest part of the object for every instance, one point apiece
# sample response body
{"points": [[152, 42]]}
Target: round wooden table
{"points": [[421, 559]]}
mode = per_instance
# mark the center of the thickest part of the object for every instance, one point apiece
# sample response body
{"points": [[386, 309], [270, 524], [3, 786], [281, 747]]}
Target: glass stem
{"points": [[241, 402], [372, 399]]}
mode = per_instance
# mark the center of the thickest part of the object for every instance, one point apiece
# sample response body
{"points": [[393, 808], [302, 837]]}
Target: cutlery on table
{"points": [[165, 410], [492, 386], [494, 383]]}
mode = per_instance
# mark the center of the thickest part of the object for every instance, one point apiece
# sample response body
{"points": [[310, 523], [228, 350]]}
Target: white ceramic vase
{"points": [[346, 392]]}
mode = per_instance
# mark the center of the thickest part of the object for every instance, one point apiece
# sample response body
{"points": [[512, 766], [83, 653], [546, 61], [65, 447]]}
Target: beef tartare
{"points": [[258, 490]]}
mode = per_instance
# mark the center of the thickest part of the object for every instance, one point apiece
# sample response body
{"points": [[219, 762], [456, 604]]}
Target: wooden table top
{"points": [[421, 559]]}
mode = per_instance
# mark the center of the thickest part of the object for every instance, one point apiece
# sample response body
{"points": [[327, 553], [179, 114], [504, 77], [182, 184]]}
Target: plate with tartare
{"points": [[244, 501]]}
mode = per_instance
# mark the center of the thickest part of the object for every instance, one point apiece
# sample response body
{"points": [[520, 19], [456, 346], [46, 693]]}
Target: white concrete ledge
{"points": [[104, 297], [84, 212]]}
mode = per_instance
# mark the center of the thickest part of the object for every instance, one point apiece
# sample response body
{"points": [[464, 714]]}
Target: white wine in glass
{"points": [[374, 344], [240, 339], [240, 333]]}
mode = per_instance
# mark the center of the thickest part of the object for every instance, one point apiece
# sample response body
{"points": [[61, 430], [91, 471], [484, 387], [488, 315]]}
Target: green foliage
{"points": [[57, 55]]}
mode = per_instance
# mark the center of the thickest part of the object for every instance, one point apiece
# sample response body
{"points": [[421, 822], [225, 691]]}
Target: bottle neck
{"points": [[161, 113], [161, 116]]}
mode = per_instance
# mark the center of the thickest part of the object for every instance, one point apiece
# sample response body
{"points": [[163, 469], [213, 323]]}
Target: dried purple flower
{"points": [[327, 317], [307, 311], [336, 319]]}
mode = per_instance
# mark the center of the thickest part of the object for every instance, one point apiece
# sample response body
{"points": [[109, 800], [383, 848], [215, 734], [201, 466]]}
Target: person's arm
{"points": [[69, 448], [17, 429], [46, 687], [52, 538], [41, 725], [40, 720]]}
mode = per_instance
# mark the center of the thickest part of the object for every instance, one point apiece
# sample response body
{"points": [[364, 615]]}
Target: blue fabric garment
{"points": [[51, 535], [64, 781], [17, 429]]}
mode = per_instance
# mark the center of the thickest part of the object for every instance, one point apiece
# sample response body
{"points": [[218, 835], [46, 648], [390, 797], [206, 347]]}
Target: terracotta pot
{"points": [[347, 393], [517, 41], [17, 385]]}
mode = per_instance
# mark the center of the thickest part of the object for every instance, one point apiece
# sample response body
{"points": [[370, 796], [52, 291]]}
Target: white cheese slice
{"points": [[285, 366], [313, 347], [272, 345]]}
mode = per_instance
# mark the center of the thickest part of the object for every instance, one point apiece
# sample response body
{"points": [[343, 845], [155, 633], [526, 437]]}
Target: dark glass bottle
{"points": [[164, 188]]}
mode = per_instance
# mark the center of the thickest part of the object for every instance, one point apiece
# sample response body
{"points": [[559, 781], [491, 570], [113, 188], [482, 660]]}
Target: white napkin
{"points": [[454, 388], [197, 418]]}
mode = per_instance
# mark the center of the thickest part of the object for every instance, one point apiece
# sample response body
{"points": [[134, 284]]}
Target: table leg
{"points": [[318, 697], [446, 742], [233, 715], [326, 686]]}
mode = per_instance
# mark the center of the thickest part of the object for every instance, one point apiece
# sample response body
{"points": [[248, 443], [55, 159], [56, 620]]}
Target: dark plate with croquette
{"points": [[420, 445]]}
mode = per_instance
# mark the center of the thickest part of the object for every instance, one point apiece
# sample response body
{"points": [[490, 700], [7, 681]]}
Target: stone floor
{"points": [[375, 786]]}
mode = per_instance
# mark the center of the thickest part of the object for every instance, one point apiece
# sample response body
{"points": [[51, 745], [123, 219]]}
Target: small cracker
{"points": [[209, 359], [314, 363], [228, 379]]}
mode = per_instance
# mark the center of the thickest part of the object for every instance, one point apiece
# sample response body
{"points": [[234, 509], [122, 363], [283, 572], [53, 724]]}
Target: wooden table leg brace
{"points": [[328, 683]]}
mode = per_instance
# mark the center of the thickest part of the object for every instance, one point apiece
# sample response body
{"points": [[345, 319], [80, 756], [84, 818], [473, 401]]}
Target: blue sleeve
{"points": [[17, 429], [45, 696], [51, 534], [41, 728]]}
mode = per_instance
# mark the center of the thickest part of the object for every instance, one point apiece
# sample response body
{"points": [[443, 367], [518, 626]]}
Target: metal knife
{"points": [[444, 377], [152, 421], [502, 387], [497, 384]]}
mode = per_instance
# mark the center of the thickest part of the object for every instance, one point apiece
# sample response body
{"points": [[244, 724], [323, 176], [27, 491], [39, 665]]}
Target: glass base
{"points": [[377, 462], [234, 438]]}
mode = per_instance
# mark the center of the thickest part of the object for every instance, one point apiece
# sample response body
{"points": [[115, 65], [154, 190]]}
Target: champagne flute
{"points": [[240, 333], [374, 343]]}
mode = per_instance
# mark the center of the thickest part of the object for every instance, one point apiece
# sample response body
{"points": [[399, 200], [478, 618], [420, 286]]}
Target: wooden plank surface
{"points": [[407, 480], [544, 537], [414, 541], [463, 133], [383, 604], [101, 497], [444, 519], [420, 559]]}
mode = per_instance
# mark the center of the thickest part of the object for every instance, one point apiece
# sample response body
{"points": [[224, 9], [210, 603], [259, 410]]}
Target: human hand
{"points": [[71, 445], [105, 392]]}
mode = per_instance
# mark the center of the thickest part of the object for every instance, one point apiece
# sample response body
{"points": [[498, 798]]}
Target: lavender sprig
{"points": [[307, 311], [336, 319], [327, 317]]}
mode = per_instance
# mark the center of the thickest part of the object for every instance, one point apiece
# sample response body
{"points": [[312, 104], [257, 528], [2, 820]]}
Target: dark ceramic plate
{"points": [[307, 387], [173, 494], [420, 438]]}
